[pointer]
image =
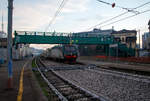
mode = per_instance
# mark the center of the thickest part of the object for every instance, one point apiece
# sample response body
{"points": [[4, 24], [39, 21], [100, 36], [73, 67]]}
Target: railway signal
{"points": [[113, 5]]}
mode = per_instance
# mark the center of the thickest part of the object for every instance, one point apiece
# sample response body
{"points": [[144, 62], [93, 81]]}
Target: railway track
{"points": [[114, 85], [121, 72], [63, 88], [126, 70], [133, 71]]}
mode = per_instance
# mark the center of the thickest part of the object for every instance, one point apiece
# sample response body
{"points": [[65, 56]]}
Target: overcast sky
{"points": [[76, 16]]}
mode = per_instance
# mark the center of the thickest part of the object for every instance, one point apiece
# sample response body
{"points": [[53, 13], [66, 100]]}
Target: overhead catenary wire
{"points": [[56, 14], [127, 17], [118, 16], [114, 5], [104, 2]]}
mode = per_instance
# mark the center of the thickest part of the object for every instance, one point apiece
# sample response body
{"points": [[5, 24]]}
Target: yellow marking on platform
{"points": [[20, 93]]}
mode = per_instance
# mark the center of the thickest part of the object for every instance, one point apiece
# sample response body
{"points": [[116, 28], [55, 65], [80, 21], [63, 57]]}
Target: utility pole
{"points": [[9, 43], [139, 39], [2, 24], [149, 26]]}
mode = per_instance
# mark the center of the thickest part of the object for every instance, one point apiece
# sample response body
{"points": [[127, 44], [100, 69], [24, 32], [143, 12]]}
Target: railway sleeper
{"points": [[51, 76], [61, 86], [54, 81], [67, 93], [74, 96], [57, 85], [80, 91], [65, 89], [83, 99]]}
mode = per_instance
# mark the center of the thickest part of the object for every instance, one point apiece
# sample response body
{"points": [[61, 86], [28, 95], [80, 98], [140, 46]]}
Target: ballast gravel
{"points": [[111, 87]]}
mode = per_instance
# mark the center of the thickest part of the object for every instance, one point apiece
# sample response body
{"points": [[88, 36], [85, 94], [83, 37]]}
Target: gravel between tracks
{"points": [[112, 87]]}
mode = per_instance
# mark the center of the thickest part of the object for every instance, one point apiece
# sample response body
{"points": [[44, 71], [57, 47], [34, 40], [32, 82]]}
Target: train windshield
{"points": [[69, 48]]}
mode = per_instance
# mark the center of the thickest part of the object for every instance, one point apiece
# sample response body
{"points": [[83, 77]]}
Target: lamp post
{"points": [[9, 43]]}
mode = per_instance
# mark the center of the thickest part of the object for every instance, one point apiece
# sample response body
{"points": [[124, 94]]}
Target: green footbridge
{"points": [[28, 37]]}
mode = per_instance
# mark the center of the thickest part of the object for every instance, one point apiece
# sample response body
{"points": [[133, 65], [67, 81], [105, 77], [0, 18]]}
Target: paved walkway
{"points": [[30, 87]]}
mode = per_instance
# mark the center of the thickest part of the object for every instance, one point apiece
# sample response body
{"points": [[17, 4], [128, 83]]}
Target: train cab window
{"points": [[69, 48]]}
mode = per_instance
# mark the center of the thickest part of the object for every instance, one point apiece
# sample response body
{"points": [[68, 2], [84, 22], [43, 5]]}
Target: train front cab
{"points": [[70, 53], [70, 57]]}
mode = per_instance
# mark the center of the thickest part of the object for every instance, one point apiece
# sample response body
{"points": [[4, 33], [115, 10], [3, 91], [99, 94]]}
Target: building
{"points": [[124, 36], [3, 42], [18, 52], [2, 34], [94, 33], [93, 49], [146, 41], [127, 37]]}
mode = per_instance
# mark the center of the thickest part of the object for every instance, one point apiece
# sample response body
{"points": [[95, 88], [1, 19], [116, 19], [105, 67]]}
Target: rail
{"points": [[64, 86]]}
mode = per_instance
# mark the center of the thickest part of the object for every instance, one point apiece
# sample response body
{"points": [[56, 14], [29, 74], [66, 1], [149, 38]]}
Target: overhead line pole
{"points": [[149, 26], [139, 38], [2, 24], [9, 43]]}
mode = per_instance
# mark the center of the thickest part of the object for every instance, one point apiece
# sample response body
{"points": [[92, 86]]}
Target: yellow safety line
{"points": [[19, 97]]}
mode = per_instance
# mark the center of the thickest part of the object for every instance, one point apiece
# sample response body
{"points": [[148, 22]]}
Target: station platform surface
{"points": [[30, 90], [116, 64]]}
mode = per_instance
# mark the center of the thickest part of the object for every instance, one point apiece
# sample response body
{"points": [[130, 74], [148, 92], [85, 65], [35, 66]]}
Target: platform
{"points": [[31, 89], [116, 64]]}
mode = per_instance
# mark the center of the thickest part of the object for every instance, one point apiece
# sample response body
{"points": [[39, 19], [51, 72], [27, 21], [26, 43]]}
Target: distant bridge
{"points": [[27, 37]]}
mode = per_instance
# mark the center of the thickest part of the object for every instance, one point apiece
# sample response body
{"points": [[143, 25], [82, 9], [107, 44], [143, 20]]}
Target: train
{"points": [[65, 52]]}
